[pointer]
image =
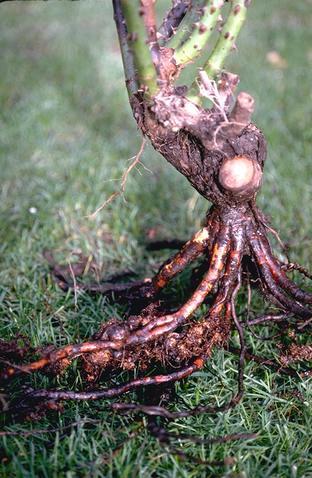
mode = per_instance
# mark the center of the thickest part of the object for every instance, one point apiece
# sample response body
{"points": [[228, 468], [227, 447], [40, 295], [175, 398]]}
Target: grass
{"points": [[66, 135]]}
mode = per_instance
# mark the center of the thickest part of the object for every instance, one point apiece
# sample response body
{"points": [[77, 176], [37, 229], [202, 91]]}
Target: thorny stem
{"points": [[148, 14], [126, 53], [202, 30], [132, 38], [228, 36], [186, 25], [223, 47], [142, 56], [172, 20]]}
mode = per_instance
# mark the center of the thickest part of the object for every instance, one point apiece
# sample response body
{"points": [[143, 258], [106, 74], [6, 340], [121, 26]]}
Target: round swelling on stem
{"points": [[240, 174]]}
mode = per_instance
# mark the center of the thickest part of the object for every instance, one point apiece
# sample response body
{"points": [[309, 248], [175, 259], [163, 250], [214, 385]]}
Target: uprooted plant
{"points": [[208, 136]]}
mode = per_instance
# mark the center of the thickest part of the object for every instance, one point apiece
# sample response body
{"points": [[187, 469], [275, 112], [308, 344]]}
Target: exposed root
{"points": [[293, 266], [121, 389], [166, 439], [175, 339], [232, 245]]}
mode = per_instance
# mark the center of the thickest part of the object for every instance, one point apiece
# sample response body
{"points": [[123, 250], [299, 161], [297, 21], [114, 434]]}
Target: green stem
{"points": [[136, 40], [223, 47], [227, 38], [186, 26], [126, 53], [203, 28], [172, 20]]}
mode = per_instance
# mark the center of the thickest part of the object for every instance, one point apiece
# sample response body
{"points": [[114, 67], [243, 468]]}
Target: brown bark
{"points": [[197, 141]]}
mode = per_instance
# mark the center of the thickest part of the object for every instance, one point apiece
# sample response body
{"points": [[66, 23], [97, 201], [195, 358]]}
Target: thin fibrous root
{"points": [[164, 435], [272, 364]]}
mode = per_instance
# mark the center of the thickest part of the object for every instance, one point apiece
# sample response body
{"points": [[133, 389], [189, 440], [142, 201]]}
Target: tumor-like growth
{"points": [[222, 154], [240, 175]]}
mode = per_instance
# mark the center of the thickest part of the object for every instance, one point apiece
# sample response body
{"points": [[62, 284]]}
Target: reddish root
{"points": [[276, 281], [139, 330], [121, 389], [176, 339]]}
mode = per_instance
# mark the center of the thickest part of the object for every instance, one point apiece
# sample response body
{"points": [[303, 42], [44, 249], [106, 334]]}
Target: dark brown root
{"points": [[164, 244], [166, 438], [175, 340], [293, 266], [276, 284], [280, 276], [119, 390], [152, 336]]}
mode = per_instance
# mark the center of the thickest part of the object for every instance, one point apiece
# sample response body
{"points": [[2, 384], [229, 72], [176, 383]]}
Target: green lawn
{"points": [[66, 134]]}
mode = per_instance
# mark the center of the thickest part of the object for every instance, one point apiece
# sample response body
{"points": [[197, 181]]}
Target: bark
{"points": [[197, 141]]}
